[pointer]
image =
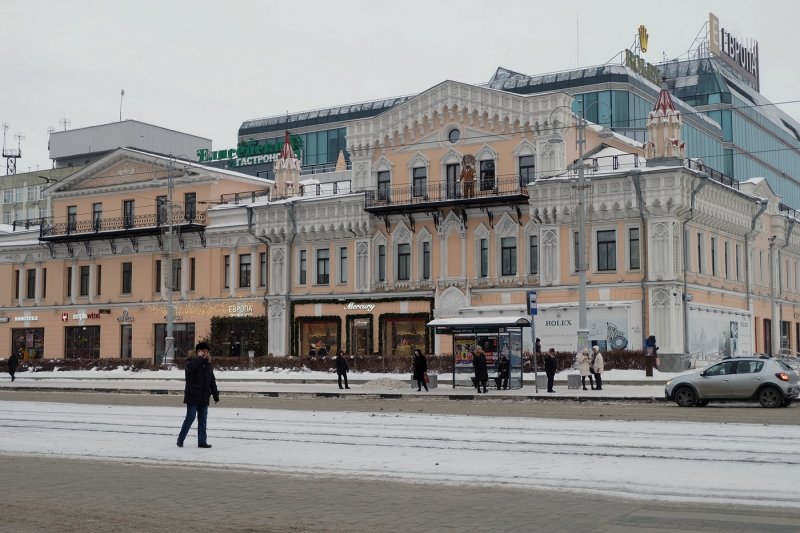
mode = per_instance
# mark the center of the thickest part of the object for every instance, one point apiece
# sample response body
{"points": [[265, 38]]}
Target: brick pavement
{"points": [[46, 494]]}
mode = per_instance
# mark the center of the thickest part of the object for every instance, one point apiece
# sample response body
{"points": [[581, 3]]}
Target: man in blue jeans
{"points": [[200, 386]]}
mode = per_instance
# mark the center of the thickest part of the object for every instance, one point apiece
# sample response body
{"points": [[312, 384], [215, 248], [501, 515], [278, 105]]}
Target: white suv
{"points": [[771, 382]]}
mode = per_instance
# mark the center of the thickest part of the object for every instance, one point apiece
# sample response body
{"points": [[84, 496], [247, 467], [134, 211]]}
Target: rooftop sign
{"points": [[642, 67], [743, 58], [248, 153]]}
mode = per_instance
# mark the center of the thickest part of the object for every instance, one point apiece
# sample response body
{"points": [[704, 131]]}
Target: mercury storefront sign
{"points": [[247, 153], [742, 57]]}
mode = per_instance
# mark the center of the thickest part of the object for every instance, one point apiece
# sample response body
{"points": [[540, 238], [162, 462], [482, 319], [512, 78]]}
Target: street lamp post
{"points": [[580, 262], [169, 348]]}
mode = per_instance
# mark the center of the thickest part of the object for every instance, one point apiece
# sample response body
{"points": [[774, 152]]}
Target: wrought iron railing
{"points": [[443, 191], [151, 220], [695, 164]]}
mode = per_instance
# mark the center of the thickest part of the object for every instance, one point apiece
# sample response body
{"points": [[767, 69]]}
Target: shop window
{"points": [[28, 343], [317, 335], [126, 341], [606, 250], [508, 255], [82, 342], [402, 335], [183, 335]]}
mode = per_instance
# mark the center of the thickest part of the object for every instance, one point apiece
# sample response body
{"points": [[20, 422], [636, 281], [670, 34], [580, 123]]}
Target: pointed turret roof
{"points": [[286, 151], [664, 102]]}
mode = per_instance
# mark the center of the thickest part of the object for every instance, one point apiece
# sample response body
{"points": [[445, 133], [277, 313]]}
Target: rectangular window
{"points": [[72, 218], [191, 273], [31, 283], [128, 213], [44, 283], [244, 270], [189, 206], [99, 279], [484, 258], [533, 253], [177, 272], [161, 210], [606, 250], [633, 246], [127, 278], [262, 269], [343, 265], [381, 262], [384, 183], [226, 272], [97, 216], [699, 253], [487, 175], [403, 262], [713, 256], [452, 174], [323, 266], [738, 277], [303, 267], [84, 280], [126, 341], [426, 260], [576, 249], [420, 181], [727, 272], [527, 170], [157, 277], [508, 255], [69, 281]]}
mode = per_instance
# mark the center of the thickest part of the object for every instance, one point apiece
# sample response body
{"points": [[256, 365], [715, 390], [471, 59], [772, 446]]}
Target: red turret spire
{"points": [[664, 102], [286, 151]]}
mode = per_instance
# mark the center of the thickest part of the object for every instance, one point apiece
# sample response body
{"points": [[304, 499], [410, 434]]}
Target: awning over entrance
{"points": [[474, 324]]}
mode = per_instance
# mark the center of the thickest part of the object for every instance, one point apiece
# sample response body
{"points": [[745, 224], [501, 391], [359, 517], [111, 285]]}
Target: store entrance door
{"points": [[360, 336]]}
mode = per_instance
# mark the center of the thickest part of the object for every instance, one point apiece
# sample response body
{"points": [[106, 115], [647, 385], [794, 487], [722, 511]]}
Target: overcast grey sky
{"points": [[203, 67]]}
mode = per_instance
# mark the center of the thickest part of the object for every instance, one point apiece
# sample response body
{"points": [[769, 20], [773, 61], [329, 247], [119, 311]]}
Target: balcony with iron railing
{"points": [[183, 221], [499, 190]]}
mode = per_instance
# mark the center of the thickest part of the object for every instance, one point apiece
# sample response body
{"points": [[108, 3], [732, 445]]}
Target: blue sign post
{"points": [[533, 311]]}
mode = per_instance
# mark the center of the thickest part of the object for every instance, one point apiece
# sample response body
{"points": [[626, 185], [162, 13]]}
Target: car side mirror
{"points": [[703, 373]]}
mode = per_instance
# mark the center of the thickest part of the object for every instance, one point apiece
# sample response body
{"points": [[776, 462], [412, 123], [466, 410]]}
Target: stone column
{"points": [[255, 270], [232, 273], [184, 276]]}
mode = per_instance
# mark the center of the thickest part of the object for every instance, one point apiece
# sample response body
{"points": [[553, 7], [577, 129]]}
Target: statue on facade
{"points": [[468, 175]]}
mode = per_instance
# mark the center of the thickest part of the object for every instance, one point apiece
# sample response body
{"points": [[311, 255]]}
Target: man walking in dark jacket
{"points": [[200, 386], [341, 369], [12, 365]]}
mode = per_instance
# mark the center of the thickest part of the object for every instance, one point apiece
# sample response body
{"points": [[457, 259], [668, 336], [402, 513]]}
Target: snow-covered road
{"points": [[675, 461]]}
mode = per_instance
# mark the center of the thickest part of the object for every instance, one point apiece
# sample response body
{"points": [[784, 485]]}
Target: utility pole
{"points": [[169, 348], [583, 329]]}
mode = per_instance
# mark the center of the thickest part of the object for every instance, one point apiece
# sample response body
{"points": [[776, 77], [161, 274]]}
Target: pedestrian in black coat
{"points": [[550, 367], [12, 365], [503, 372], [200, 386], [420, 366], [341, 369], [481, 370]]}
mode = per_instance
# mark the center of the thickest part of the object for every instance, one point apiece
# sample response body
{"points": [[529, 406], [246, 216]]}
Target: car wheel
{"points": [[685, 397], [701, 403], [770, 397]]}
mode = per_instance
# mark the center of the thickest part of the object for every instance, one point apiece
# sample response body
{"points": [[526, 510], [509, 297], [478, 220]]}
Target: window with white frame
{"points": [[420, 181], [508, 256], [8, 196], [606, 250], [343, 264], [634, 262], [484, 258], [426, 260], [533, 254], [323, 266], [727, 271], [403, 262], [303, 268]]}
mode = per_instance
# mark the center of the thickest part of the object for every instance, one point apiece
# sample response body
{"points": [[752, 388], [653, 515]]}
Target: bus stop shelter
{"points": [[497, 335]]}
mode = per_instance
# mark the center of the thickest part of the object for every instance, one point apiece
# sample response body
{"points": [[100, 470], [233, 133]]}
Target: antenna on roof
{"points": [[64, 123]]}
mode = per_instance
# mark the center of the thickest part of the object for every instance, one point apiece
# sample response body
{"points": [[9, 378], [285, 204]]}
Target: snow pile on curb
{"points": [[385, 383]]}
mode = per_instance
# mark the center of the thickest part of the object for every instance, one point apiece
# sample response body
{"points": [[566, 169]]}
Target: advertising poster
{"points": [[489, 345], [718, 333], [609, 328], [463, 344], [515, 347]]}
